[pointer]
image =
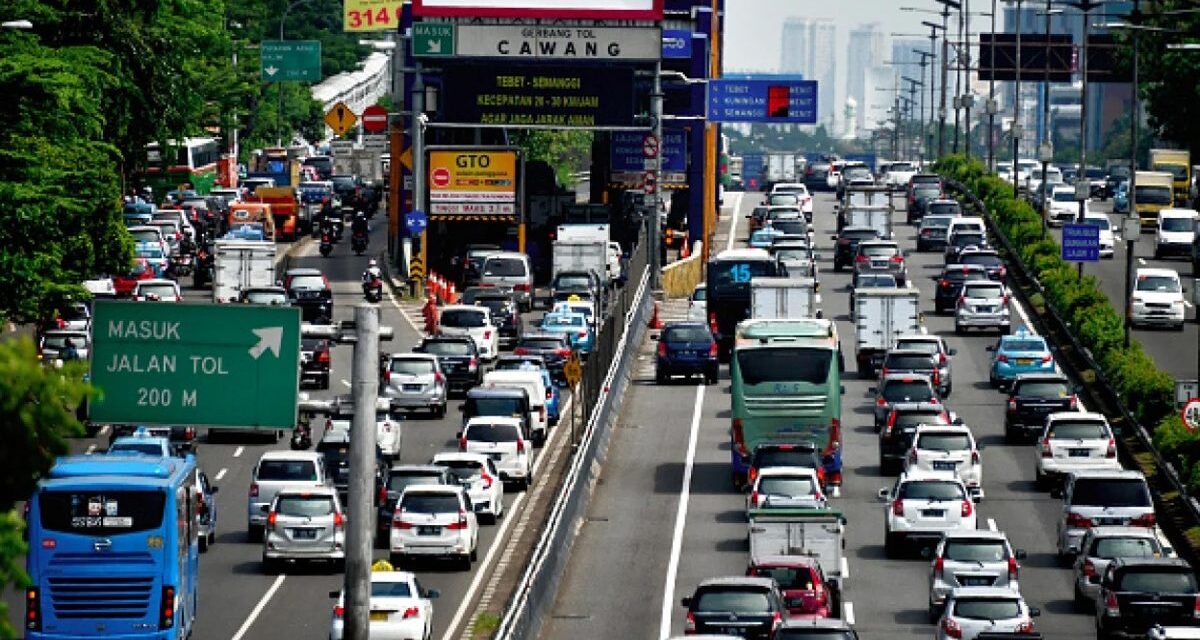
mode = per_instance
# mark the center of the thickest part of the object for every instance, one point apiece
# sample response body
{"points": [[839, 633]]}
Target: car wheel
{"points": [[891, 545], [254, 533], [1083, 604], [935, 612], [959, 329], [1040, 480], [270, 566], [203, 544], [661, 377], [325, 382], [440, 411], [474, 554], [464, 562]]}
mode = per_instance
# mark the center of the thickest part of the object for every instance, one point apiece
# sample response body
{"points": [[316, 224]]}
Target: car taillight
{"points": [[754, 498], [662, 349], [272, 518], [438, 378], [945, 284], [461, 523], [521, 287], [898, 508], [962, 300], [1047, 358], [563, 353], [967, 508], [383, 494], [1196, 607], [323, 357], [253, 489], [1089, 568], [33, 609], [521, 351], [1025, 627], [1111, 452], [1074, 404], [167, 617], [338, 520], [1012, 405], [1145, 520], [487, 480], [520, 446], [891, 423], [883, 371], [776, 619], [1111, 606], [941, 358], [974, 457], [339, 612], [1013, 568], [712, 350], [1001, 358], [937, 378], [880, 401], [712, 321], [399, 523], [472, 363], [752, 476], [1078, 521], [1046, 451], [898, 259], [462, 444], [862, 259], [411, 612], [739, 438], [690, 625], [487, 335]]}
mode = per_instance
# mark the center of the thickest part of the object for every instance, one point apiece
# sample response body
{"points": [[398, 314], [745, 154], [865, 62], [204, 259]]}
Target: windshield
{"points": [[390, 590], [686, 334], [266, 297], [137, 448], [146, 236], [448, 348], [1024, 345], [504, 267], [785, 458], [558, 321], [1081, 430], [792, 255], [926, 190], [541, 344], [900, 166], [573, 282], [787, 486], [1151, 581], [287, 471], [784, 364], [1153, 194], [495, 407], [928, 346], [305, 506], [777, 199], [904, 361], [1104, 492], [101, 512], [788, 577], [793, 226], [307, 282], [733, 601], [726, 274], [944, 441], [1044, 390], [1160, 284], [914, 418], [878, 250], [987, 608], [430, 503], [481, 432], [462, 318], [1100, 223], [398, 482], [1174, 224], [462, 470], [1124, 548], [983, 259], [931, 490], [936, 222], [969, 239], [983, 291], [700, 294], [160, 290], [943, 207], [1178, 171], [412, 366], [907, 391], [975, 551]]}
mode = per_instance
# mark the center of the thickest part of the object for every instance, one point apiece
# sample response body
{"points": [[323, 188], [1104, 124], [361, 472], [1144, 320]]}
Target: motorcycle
{"points": [[301, 437], [358, 242], [326, 245], [183, 264], [202, 272], [373, 290]]}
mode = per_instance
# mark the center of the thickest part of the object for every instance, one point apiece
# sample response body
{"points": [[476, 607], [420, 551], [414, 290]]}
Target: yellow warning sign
{"points": [[416, 268], [406, 159], [573, 370], [341, 119]]}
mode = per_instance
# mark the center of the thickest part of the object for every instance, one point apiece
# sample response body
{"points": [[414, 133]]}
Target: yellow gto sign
{"points": [[472, 181], [371, 15]]}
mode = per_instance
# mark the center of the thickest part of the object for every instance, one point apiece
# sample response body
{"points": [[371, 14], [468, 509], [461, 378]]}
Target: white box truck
{"points": [[876, 217], [776, 298], [239, 265], [880, 316], [593, 232]]}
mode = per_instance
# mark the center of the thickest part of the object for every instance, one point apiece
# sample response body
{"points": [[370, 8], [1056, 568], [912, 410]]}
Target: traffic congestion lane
{"points": [[1165, 346], [886, 597]]}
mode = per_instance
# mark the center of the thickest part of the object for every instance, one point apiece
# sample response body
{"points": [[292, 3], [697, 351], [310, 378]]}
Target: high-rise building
{"points": [[864, 52], [808, 49]]}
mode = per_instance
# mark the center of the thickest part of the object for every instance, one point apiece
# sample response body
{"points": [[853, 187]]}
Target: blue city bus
{"points": [[114, 549]]}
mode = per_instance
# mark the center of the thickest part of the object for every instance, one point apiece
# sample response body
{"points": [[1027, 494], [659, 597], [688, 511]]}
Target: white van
{"points": [[1157, 299], [531, 382], [473, 322], [971, 223], [1175, 232]]}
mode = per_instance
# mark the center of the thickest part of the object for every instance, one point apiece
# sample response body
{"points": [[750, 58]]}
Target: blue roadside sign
{"points": [[677, 44], [626, 154], [762, 100], [1080, 243], [416, 221]]}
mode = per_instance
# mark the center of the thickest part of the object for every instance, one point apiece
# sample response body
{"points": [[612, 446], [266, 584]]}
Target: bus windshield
{"points": [[727, 277], [101, 513], [785, 364]]}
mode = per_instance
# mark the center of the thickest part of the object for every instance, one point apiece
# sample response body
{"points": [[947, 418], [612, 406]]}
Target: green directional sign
{"points": [[195, 364], [291, 60], [433, 39]]}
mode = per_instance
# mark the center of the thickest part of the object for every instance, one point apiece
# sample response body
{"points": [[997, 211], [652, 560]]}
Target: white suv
{"points": [[971, 559], [473, 322], [924, 505], [479, 476], [434, 520], [1175, 232], [947, 448], [502, 440], [983, 304], [1098, 499], [1075, 441], [785, 487], [1158, 298]]}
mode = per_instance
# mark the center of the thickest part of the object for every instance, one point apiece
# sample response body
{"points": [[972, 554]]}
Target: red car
{"points": [[125, 283], [800, 579]]}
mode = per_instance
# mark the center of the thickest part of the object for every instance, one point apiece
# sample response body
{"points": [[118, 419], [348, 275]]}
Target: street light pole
{"points": [[279, 114], [946, 5], [933, 29], [991, 104], [921, 150], [1046, 150], [1084, 7], [1016, 125]]}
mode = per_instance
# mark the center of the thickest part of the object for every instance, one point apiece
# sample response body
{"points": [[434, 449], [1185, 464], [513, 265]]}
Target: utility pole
{"points": [[958, 75], [1046, 148], [1016, 125], [279, 114], [1083, 187], [968, 98], [991, 103], [419, 173], [946, 6], [921, 149], [655, 165]]}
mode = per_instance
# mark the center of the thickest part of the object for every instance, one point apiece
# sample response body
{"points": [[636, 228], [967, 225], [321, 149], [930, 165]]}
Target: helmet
{"points": [[371, 263]]}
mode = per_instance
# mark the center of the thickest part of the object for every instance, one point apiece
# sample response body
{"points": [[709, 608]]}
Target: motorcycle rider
{"points": [[359, 224], [372, 273]]}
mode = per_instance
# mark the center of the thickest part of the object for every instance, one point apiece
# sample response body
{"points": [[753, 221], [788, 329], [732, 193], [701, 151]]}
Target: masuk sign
{"points": [[552, 42]]}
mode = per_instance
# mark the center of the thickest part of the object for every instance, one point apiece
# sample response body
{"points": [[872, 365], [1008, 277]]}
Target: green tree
{"points": [[1170, 80], [568, 151]]}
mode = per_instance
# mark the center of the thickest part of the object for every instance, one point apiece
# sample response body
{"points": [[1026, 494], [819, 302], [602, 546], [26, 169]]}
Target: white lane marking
{"points": [[501, 533], [346, 382], [237, 453], [737, 214], [1187, 304], [848, 612], [845, 569], [91, 449], [668, 604], [220, 474], [104, 431], [1141, 262], [241, 632], [404, 314], [992, 524]]}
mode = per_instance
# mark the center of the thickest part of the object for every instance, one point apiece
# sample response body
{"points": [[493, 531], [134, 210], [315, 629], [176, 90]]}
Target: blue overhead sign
{"points": [[1080, 243], [676, 44], [628, 155], [782, 100]]}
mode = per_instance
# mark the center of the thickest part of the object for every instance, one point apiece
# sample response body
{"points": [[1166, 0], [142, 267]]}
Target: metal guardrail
{"points": [[538, 585], [1102, 391]]}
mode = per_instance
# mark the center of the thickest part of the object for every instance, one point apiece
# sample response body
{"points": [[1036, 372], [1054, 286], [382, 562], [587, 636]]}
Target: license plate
{"points": [[944, 465], [304, 534], [1024, 361], [425, 530], [495, 456], [976, 581], [985, 309], [305, 357], [1079, 453], [934, 513], [379, 616], [1110, 521], [411, 387]]}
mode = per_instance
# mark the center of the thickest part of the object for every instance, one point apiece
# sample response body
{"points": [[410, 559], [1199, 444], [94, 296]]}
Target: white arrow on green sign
{"points": [[433, 39], [195, 364]]}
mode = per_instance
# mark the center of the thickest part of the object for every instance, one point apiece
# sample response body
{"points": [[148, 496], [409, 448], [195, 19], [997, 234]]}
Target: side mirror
{"points": [[952, 352], [335, 594], [883, 493], [990, 348], [686, 602], [1056, 492], [214, 489], [1020, 554], [433, 594], [1034, 612]]}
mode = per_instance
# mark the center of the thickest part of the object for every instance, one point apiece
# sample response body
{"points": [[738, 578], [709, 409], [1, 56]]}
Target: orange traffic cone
{"points": [[655, 321], [451, 296], [684, 250]]}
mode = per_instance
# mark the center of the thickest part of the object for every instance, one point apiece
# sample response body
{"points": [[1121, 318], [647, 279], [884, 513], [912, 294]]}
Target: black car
{"points": [[348, 188], [743, 606], [912, 361], [847, 245], [686, 348], [922, 188], [1032, 397], [785, 454], [334, 447], [988, 259], [505, 315], [950, 284], [1138, 593], [553, 348], [309, 289], [458, 357], [815, 176], [895, 436], [565, 284], [315, 361], [960, 241], [931, 234]]}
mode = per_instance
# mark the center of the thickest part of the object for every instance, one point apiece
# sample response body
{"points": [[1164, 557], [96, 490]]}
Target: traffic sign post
{"points": [[290, 60], [433, 39], [1080, 243], [1191, 414], [341, 119], [416, 222], [762, 100], [573, 372], [195, 364], [374, 119]]}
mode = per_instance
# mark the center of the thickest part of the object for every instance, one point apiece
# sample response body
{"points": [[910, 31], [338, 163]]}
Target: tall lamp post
{"points": [[1016, 125], [1046, 146], [946, 6], [912, 96], [991, 103], [1083, 188], [279, 114], [922, 151]]}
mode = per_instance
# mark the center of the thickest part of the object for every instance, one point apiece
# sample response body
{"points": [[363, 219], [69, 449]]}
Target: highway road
{"points": [[666, 516], [1175, 352], [239, 601]]}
